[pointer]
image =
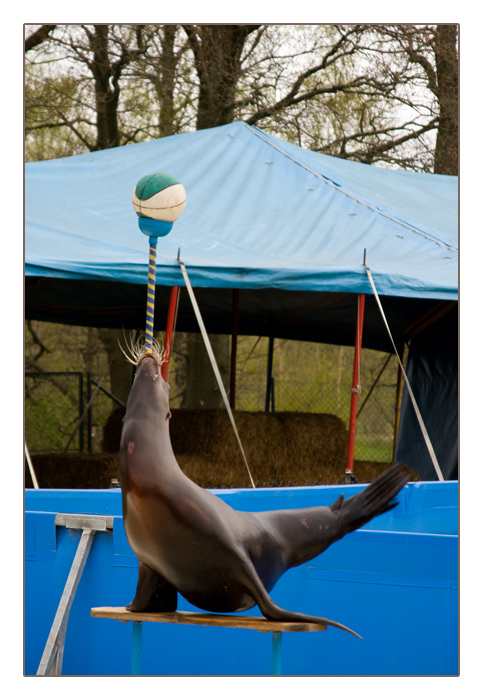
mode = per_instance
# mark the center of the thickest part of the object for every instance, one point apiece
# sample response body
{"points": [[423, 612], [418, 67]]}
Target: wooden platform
{"points": [[208, 619]]}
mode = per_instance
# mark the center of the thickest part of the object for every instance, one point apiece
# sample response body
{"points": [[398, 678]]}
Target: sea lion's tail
{"points": [[376, 499], [273, 612], [290, 616]]}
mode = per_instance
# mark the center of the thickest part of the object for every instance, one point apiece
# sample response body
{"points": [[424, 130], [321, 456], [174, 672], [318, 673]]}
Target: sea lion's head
{"points": [[149, 391]]}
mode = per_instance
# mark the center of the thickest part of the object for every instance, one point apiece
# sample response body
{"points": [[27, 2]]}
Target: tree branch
{"points": [[289, 100], [39, 36]]}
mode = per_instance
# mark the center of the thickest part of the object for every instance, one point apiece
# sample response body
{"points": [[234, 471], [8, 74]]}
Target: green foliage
{"points": [[52, 401], [51, 412], [51, 113], [363, 92]]}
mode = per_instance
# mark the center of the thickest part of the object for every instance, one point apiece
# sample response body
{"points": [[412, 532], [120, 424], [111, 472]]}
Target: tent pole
{"points": [[374, 384], [399, 390], [234, 340], [170, 324], [356, 387], [269, 373]]}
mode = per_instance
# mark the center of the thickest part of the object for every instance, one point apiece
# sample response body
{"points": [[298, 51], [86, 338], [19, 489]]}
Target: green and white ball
{"points": [[159, 196]]}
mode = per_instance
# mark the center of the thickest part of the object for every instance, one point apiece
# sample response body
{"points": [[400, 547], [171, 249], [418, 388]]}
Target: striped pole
{"points": [[151, 294], [161, 196]]}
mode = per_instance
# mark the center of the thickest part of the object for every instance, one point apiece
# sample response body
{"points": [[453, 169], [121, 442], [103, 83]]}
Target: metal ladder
{"points": [[51, 662]]}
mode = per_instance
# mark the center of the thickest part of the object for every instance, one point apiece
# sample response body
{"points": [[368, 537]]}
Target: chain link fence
{"points": [[311, 378], [54, 402], [375, 410], [67, 411]]}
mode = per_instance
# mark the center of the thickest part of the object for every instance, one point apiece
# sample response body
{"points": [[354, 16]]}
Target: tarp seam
{"points": [[328, 181]]}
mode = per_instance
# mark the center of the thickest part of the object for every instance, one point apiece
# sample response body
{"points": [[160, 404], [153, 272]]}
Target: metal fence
{"points": [[376, 409], [67, 411], [54, 402]]}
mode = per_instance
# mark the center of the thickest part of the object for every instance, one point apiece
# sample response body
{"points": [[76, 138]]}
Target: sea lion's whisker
{"points": [[136, 350]]}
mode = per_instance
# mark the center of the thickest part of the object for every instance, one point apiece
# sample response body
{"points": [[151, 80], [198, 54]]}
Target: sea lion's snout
{"points": [[149, 367], [150, 391], [148, 364]]}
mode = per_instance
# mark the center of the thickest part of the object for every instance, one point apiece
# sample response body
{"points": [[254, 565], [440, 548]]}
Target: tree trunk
{"points": [[120, 370], [217, 50], [445, 48], [165, 82], [106, 89], [338, 381], [106, 80], [39, 36]]}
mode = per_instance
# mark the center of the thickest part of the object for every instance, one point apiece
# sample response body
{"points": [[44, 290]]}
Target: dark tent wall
{"points": [[286, 227], [432, 372], [322, 317]]}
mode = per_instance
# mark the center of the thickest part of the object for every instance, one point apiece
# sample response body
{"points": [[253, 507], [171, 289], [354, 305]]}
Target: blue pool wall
{"points": [[394, 581]]}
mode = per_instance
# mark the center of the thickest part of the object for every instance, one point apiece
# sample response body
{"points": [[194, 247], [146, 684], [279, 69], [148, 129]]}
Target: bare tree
{"points": [[38, 36], [217, 51], [95, 57], [87, 104], [446, 53], [385, 94], [432, 51]]}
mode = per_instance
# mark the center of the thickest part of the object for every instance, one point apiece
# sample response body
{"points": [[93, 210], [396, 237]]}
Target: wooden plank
{"points": [[207, 619], [51, 661]]}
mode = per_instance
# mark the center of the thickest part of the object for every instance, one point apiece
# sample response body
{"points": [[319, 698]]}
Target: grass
{"points": [[375, 449]]}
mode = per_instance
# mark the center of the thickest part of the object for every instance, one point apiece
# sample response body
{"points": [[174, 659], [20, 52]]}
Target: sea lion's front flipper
{"points": [[153, 593], [272, 611]]}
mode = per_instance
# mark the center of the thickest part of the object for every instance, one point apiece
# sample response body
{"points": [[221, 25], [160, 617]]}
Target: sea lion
{"points": [[188, 540]]}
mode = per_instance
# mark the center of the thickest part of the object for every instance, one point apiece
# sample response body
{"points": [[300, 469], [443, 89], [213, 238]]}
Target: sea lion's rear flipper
{"points": [[153, 593], [374, 500], [273, 612]]}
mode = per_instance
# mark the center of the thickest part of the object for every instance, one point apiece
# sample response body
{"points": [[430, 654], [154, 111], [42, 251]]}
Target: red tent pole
{"points": [[355, 382], [173, 306], [234, 339]]}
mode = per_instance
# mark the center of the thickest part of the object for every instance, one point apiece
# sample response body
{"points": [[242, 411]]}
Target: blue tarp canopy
{"points": [[285, 227], [262, 216], [260, 213]]}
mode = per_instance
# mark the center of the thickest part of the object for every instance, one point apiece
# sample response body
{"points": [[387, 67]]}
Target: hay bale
{"points": [[315, 443], [365, 471], [111, 432], [73, 470], [291, 448], [279, 447], [282, 449]]}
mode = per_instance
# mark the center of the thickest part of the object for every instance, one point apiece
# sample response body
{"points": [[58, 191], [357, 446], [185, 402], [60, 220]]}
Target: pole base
{"points": [[153, 227]]}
